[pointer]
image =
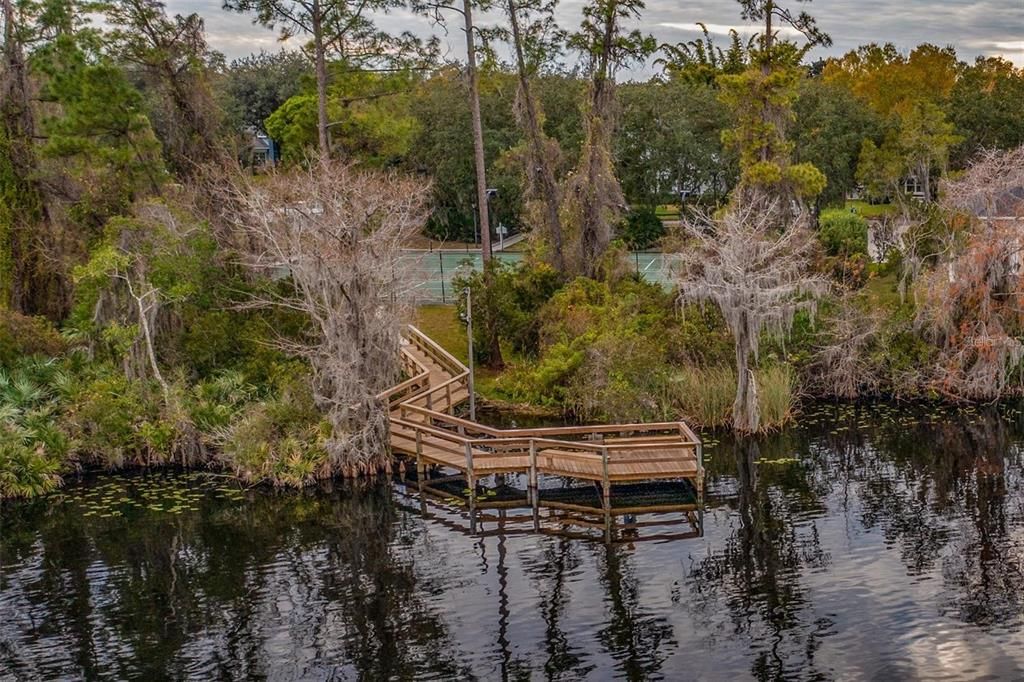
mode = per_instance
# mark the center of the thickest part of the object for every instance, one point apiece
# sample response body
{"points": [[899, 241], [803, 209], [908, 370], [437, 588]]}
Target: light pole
{"points": [[491, 193], [476, 228], [469, 335]]}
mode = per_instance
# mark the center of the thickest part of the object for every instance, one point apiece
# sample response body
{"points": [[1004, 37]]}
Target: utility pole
{"points": [[469, 334]]}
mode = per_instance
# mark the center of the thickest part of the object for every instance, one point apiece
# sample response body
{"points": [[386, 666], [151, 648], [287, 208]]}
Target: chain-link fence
{"points": [[431, 272]]}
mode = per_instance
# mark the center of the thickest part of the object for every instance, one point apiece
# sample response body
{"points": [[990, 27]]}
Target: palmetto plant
{"points": [[31, 446]]}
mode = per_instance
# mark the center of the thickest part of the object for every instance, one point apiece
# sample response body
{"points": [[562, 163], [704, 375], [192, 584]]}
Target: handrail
{"points": [[478, 441], [559, 430], [438, 351]]}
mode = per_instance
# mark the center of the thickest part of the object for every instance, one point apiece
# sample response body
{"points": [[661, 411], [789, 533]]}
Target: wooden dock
{"points": [[424, 427]]}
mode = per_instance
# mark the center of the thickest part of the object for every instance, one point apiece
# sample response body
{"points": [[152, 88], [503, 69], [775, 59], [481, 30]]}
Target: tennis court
{"points": [[433, 271]]}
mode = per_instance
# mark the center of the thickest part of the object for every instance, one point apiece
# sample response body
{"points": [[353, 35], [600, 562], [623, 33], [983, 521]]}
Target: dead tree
{"points": [[335, 234], [970, 303], [758, 276]]}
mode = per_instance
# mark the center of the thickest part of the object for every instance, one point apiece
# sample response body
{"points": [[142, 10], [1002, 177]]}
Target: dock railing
{"points": [[422, 410]]}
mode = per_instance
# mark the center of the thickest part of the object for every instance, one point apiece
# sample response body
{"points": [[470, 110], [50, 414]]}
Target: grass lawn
{"points": [[667, 212], [440, 323], [870, 210]]}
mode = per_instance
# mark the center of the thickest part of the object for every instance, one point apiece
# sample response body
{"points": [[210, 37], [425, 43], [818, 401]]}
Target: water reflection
{"points": [[871, 542]]}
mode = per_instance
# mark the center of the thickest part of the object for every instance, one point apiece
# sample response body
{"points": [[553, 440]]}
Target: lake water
{"points": [[872, 543]]}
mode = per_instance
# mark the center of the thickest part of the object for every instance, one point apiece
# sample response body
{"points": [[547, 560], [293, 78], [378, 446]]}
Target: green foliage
{"points": [[443, 147], [670, 138], [762, 102], [369, 114], [21, 335], [830, 126], [606, 351], [281, 439], [32, 446], [116, 421], [642, 228], [700, 61], [843, 233], [257, 85], [985, 107], [509, 305]]}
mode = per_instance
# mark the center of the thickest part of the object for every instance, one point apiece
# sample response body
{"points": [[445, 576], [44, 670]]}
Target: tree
{"points": [[337, 28], [24, 215], [258, 84], [984, 105], [338, 232], [669, 140], [592, 200], [436, 10], [910, 93], [95, 124], [970, 307], [758, 277], [762, 99], [443, 150], [171, 56], [829, 128], [533, 43], [370, 113], [700, 61], [916, 148]]}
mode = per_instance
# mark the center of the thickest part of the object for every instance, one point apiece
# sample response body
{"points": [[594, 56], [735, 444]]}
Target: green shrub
{"points": [[509, 306], [843, 233], [32, 444], [117, 421], [21, 335], [280, 439], [26, 468], [642, 228]]}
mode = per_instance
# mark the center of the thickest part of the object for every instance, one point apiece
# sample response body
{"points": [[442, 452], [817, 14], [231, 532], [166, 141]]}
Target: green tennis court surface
{"points": [[431, 272]]}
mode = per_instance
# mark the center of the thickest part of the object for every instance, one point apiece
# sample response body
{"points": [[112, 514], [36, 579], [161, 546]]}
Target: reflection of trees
{"points": [[756, 572], [550, 570], [219, 592], [639, 643], [938, 486], [949, 503]]}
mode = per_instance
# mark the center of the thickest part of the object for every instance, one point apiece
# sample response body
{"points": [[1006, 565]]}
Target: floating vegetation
{"points": [[150, 495]]}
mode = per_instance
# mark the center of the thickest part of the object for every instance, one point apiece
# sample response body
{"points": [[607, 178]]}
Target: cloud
{"points": [[726, 29], [973, 27]]}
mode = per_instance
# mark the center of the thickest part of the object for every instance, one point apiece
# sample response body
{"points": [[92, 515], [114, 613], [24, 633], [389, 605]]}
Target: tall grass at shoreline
{"points": [[705, 395]]}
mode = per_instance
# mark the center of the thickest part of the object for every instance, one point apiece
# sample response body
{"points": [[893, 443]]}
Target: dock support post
{"points": [[420, 469], [470, 482], [606, 488], [700, 471], [448, 395], [531, 476]]}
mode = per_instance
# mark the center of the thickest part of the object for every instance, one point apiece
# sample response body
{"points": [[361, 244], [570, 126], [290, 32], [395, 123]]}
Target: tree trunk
{"points": [[321, 80], [766, 71], [745, 413], [544, 174], [34, 287], [478, 134]]}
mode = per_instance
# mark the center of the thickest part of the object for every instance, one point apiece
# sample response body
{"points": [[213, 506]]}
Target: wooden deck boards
{"points": [[422, 426]]}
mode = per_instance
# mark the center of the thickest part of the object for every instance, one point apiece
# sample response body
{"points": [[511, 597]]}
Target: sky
{"points": [[990, 27]]}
